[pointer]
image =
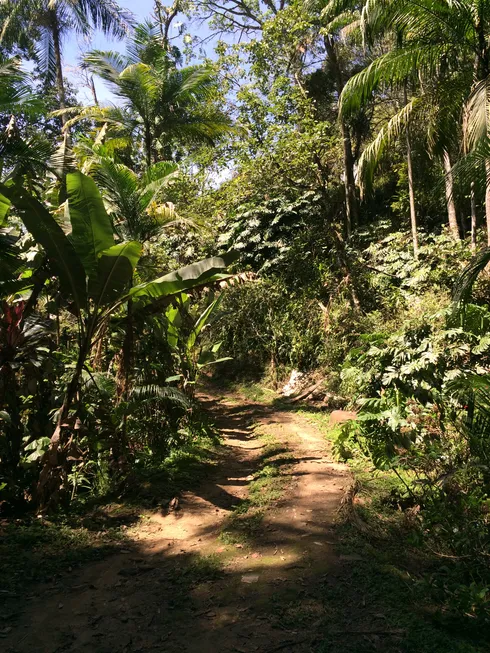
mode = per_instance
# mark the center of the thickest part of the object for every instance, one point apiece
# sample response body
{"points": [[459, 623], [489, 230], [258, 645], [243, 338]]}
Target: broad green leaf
{"points": [[91, 226], [15, 286], [210, 269], [207, 359], [174, 321], [201, 323], [4, 208], [115, 268], [175, 377], [47, 232]]}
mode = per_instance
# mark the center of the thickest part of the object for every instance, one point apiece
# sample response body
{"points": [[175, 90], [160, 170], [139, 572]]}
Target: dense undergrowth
{"points": [[35, 548], [414, 366]]}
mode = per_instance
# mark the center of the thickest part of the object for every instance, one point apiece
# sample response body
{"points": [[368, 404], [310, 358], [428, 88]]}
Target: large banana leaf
{"points": [[4, 208], [91, 226], [47, 232], [201, 323], [210, 269], [115, 270], [174, 322]]}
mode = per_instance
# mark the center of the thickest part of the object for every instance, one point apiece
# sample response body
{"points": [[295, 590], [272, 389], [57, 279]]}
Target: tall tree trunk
{"points": [[351, 206], [93, 91], [53, 473], [451, 206], [487, 198], [60, 84], [148, 146], [119, 443], [411, 195], [473, 216]]}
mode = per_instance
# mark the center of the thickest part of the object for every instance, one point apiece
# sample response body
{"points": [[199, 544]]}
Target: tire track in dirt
{"points": [[179, 588]]}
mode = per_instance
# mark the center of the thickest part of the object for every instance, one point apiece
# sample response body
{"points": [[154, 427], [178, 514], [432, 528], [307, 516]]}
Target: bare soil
{"points": [[181, 586]]}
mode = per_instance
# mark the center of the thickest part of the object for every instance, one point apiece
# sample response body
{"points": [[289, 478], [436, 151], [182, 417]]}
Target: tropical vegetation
{"points": [[303, 186]]}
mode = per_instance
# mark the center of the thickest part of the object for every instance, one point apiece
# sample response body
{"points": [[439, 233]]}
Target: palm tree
{"points": [[161, 104], [438, 40], [19, 156], [134, 202], [333, 17], [138, 213], [53, 20]]}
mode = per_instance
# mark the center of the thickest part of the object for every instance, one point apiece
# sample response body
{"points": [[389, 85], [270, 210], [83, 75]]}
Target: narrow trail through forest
{"points": [[212, 575]]}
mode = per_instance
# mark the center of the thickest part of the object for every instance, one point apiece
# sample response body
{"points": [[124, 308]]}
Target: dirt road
{"points": [[227, 570]]}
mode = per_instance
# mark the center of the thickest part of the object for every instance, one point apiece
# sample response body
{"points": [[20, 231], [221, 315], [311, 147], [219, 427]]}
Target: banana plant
{"points": [[95, 276], [184, 333]]}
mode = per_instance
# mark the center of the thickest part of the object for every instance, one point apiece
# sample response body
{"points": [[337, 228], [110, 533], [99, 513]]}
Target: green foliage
{"points": [[112, 220], [263, 326], [96, 277]]}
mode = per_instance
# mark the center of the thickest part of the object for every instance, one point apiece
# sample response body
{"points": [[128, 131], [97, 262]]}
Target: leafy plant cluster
{"points": [[423, 414], [101, 324]]}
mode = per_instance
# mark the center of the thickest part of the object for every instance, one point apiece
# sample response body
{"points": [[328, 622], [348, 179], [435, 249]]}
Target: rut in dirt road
{"points": [[223, 572]]}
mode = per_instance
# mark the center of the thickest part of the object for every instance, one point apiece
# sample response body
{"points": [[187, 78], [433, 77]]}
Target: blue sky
{"points": [[76, 45]]}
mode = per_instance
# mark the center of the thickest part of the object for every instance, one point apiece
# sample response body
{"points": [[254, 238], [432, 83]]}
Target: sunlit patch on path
{"points": [[238, 565]]}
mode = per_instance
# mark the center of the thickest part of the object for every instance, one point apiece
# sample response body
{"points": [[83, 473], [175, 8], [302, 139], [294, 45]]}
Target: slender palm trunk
{"points": [[148, 146], [351, 206], [94, 92], [411, 195], [487, 198], [451, 206], [60, 84], [482, 69], [473, 216]]}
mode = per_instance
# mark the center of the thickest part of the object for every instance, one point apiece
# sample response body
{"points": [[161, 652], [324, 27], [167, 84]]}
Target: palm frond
{"points": [[340, 22], [46, 56], [115, 117], [464, 285], [103, 382], [20, 157], [392, 69], [11, 264], [152, 391], [145, 45], [63, 159], [154, 181], [386, 136], [16, 92], [105, 15], [477, 115], [193, 83], [107, 64]]}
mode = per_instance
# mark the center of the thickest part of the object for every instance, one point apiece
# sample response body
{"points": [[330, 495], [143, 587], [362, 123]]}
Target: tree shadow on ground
{"points": [[176, 598]]}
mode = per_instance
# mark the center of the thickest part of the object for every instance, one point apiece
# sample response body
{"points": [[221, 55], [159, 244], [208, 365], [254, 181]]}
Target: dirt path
{"points": [[206, 578]]}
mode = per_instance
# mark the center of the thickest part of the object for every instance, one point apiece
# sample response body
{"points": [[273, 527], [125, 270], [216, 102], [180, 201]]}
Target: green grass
{"points": [[255, 392], [37, 550], [203, 568], [379, 597], [388, 589], [244, 526]]}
